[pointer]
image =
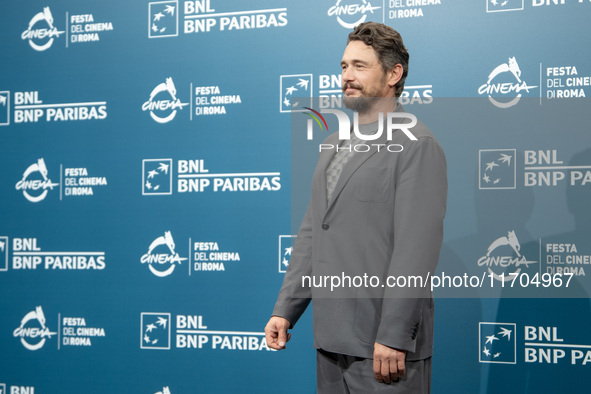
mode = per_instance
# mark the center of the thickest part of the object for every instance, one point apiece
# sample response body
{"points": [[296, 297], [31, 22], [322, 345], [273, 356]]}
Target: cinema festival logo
{"points": [[511, 89], [154, 259], [41, 31], [499, 255], [163, 110], [35, 190], [351, 13], [32, 331]]}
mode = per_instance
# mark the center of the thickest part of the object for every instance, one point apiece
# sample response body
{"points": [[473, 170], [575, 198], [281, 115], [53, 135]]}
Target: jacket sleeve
{"points": [[420, 203], [293, 298]]}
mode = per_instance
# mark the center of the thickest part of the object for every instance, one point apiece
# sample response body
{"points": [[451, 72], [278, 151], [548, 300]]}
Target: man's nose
{"points": [[347, 75]]}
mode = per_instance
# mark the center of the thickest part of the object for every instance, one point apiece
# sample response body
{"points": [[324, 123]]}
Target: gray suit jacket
{"points": [[385, 218]]}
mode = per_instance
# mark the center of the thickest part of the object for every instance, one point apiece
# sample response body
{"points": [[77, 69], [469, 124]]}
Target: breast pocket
{"points": [[372, 184]]}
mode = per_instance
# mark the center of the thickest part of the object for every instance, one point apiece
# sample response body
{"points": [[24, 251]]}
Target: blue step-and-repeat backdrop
{"points": [[146, 183]]}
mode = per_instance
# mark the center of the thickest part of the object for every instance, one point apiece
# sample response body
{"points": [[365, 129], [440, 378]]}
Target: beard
{"points": [[358, 104], [365, 102]]}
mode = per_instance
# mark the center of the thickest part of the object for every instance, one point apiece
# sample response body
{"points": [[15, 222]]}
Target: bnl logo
{"points": [[4, 108], [497, 169], [295, 92], [157, 176], [155, 330], [504, 5], [163, 19], [285, 251], [17, 389], [497, 343], [3, 255]]}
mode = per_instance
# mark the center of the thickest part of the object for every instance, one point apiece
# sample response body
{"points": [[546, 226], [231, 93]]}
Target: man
{"points": [[381, 215]]}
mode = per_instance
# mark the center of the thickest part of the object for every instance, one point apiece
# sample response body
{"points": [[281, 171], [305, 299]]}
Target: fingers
{"points": [[377, 369], [282, 337], [271, 335], [385, 371], [388, 364], [276, 333], [401, 366]]}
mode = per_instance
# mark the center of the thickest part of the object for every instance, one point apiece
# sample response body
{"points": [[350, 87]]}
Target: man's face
{"points": [[363, 77]]}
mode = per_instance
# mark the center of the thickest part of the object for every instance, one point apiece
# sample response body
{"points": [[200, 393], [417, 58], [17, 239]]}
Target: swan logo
{"points": [[32, 331], [163, 110], [165, 390], [35, 189], [499, 258], [350, 14], [41, 31], [509, 84], [154, 259]]}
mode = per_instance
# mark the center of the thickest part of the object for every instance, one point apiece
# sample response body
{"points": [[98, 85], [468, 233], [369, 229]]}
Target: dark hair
{"points": [[388, 45]]}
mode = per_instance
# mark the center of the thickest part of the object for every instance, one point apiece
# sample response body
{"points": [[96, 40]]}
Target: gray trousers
{"points": [[342, 374]]}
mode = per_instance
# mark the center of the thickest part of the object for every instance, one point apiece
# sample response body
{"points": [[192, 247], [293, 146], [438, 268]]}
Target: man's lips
{"points": [[351, 90]]}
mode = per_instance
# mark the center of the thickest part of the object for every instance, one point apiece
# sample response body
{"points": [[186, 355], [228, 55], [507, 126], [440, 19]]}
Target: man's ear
{"points": [[394, 75]]}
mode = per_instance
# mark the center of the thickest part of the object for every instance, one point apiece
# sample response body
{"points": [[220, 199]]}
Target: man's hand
{"points": [[388, 363], [276, 332]]}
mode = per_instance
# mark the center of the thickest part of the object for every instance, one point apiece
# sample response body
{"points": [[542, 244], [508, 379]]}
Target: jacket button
{"points": [[325, 226]]}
